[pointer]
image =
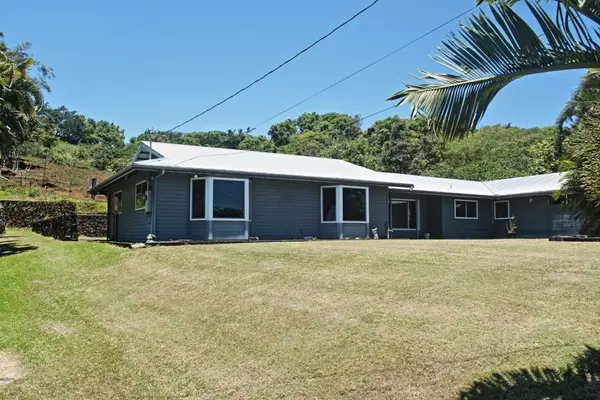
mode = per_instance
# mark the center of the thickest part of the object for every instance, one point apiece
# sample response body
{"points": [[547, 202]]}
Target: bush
{"points": [[91, 207]]}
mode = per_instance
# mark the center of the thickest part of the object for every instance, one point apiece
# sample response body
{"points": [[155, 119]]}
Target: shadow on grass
{"points": [[11, 247], [578, 381]]}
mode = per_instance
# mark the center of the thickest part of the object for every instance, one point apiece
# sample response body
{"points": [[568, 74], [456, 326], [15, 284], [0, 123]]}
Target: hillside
{"points": [[34, 180]]}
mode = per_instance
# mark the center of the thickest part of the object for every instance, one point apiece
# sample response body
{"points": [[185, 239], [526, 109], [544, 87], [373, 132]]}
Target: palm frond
{"points": [[589, 8], [488, 54], [585, 97]]}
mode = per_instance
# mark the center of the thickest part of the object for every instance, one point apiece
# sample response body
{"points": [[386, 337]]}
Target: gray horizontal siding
{"points": [[284, 209], [329, 231], [480, 228], [172, 207], [378, 209], [355, 230], [229, 230], [196, 230], [131, 225], [537, 217]]}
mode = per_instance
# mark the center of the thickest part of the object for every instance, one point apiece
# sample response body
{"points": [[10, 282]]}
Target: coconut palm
{"points": [[20, 98], [492, 51]]}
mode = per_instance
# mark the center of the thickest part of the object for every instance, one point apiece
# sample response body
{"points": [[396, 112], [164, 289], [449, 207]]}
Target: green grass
{"points": [[346, 319]]}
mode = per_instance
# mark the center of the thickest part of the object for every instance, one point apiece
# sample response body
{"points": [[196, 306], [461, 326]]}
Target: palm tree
{"points": [[492, 51], [20, 98]]}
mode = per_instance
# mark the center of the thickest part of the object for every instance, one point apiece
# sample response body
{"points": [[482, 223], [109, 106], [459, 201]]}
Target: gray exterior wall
{"points": [[538, 218], [283, 209], [480, 228], [130, 225]]}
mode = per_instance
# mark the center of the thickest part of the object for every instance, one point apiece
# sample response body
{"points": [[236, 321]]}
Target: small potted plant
{"points": [[511, 228]]}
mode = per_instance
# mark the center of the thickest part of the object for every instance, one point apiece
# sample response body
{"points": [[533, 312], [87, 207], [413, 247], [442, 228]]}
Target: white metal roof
{"points": [[428, 184], [196, 158], [526, 185]]}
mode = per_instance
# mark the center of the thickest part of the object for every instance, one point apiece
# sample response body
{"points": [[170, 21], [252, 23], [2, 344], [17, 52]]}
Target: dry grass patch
{"points": [[349, 319], [10, 368]]}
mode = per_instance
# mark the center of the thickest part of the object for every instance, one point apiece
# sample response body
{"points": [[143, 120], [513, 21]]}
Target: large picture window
{"points": [[344, 204], [219, 199], [502, 209], [354, 204], [140, 195], [198, 199], [328, 202], [229, 199], [466, 209], [404, 214]]}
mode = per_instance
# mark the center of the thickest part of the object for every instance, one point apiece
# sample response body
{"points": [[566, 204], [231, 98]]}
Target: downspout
{"points": [[154, 195]]}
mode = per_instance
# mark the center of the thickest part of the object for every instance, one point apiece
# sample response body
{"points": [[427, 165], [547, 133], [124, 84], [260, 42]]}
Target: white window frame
{"points": [[339, 204], [336, 205], [135, 195], [114, 199], [467, 201], [507, 203], [416, 201], [192, 198], [209, 199]]}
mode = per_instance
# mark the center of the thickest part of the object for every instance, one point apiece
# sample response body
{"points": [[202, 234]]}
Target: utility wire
{"points": [[376, 113], [278, 67], [366, 67]]}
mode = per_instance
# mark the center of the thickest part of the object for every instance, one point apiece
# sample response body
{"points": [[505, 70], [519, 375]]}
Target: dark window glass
{"points": [[328, 205], [471, 209], [228, 199], [501, 210], [140, 195], [465, 209], [412, 215], [404, 214], [355, 204], [198, 198]]}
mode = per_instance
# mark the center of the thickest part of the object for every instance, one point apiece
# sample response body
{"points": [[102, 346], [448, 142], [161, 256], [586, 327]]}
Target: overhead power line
{"points": [[376, 113], [365, 67], [278, 67]]}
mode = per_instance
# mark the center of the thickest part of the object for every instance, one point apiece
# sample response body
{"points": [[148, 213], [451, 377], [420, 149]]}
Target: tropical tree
{"points": [[492, 51], [20, 98]]}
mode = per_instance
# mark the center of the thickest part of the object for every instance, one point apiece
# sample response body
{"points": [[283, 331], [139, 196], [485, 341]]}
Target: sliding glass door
{"points": [[404, 215]]}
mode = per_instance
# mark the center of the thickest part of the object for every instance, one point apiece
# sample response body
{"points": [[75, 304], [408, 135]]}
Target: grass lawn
{"points": [[347, 319]]}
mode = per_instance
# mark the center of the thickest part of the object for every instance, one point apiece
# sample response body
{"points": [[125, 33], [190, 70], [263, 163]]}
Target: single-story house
{"points": [[180, 192]]}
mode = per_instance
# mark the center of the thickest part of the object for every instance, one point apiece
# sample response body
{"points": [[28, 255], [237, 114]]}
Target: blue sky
{"points": [[153, 64]]}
